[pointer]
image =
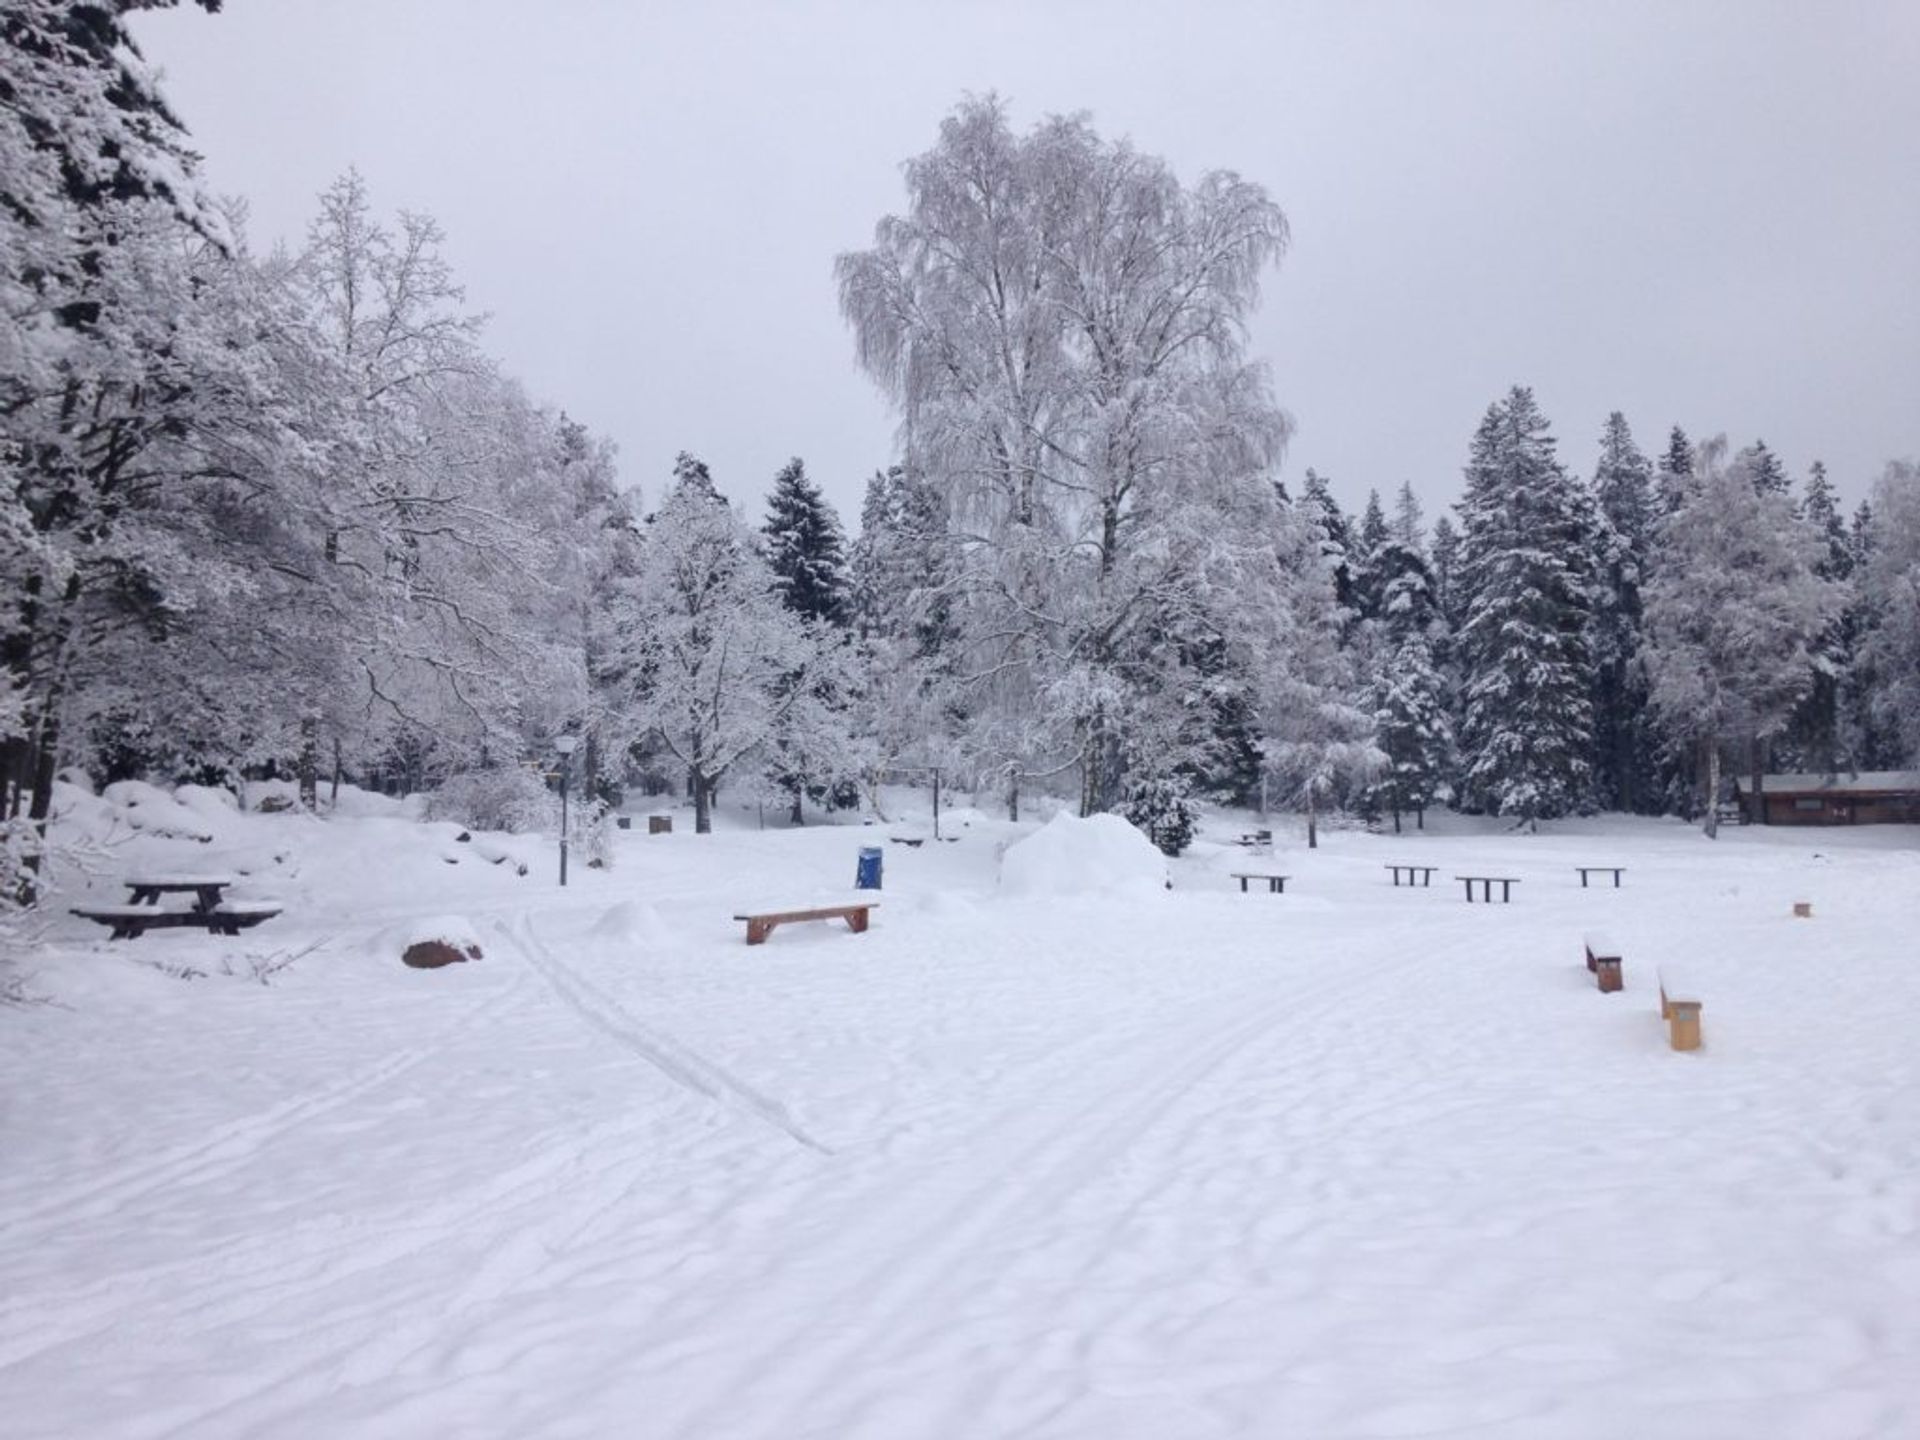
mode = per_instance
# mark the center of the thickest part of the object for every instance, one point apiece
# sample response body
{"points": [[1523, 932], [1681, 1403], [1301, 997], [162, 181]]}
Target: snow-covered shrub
{"points": [[593, 834], [507, 797], [1160, 807]]}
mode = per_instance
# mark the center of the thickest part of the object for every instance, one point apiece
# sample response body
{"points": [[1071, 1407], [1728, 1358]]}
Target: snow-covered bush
{"points": [[1160, 807], [507, 797]]}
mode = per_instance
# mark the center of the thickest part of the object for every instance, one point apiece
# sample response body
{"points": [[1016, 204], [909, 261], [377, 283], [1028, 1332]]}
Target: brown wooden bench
{"points": [[761, 924], [1681, 1014], [130, 922], [1604, 962]]}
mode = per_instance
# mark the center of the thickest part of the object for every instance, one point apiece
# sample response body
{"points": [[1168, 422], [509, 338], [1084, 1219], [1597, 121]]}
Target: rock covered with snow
{"points": [[1100, 855], [432, 941]]}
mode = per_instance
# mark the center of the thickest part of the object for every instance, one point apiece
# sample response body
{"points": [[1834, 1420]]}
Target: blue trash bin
{"points": [[867, 876]]}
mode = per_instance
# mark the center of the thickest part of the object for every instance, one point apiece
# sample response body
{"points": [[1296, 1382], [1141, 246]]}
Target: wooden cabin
{"points": [[1872, 797]]}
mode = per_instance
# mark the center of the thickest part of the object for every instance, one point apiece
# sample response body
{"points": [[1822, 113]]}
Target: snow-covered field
{"points": [[1169, 1164]]}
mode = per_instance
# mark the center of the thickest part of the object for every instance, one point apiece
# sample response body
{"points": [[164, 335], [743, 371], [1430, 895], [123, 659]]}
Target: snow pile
{"points": [[152, 810], [1099, 855], [633, 924]]}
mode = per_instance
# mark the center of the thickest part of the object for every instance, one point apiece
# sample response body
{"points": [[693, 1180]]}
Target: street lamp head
{"points": [[565, 743]]}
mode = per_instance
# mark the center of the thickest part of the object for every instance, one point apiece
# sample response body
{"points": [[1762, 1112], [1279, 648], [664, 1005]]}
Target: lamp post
{"points": [[564, 744]]}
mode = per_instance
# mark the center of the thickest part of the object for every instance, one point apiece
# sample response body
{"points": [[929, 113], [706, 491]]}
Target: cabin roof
{"points": [[1866, 782]]}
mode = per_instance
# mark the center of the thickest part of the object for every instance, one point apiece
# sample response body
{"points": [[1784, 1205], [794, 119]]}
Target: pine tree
{"points": [[1337, 541], [1413, 729], [1815, 740], [1446, 572], [1625, 750], [1527, 731], [807, 549], [1769, 476], [1676, 471]]}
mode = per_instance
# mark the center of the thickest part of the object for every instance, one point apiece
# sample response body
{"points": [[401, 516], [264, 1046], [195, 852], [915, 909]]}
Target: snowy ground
{"points": [[1352, 1161]]}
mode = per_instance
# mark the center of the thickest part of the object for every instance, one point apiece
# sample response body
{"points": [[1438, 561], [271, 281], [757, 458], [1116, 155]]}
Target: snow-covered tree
{"points": [[1624, 748], [715, 662], [1412, 729], [1733, 610], [1890, 594], [1816, 739], [1527, 527], [1061, 324], [806, 548]]}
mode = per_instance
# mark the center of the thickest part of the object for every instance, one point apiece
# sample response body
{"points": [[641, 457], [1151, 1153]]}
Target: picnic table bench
{"points": [[211, 913], [1615, 870], [1487, 882], [1276, 884], [1604, 962], [1255, 838], [761, 923], [1425, 872], [1679, 1010]]}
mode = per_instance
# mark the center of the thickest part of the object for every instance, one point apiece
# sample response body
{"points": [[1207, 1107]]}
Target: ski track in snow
{"points": [[672, 1059]]}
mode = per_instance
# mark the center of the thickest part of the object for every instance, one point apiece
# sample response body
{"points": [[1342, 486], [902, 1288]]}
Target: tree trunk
{"points": [[1756, 767], [310, 763], [1013, 792], [1420, 818], [794, 812], [1713, 788], [1396, 817], [1313, 819], [702, 802], [334, 801]]}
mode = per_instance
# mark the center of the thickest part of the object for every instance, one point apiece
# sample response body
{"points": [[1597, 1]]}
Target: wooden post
{"points": [[1607, 969], [1683, 1024], [1803, 909], [659, 825]]}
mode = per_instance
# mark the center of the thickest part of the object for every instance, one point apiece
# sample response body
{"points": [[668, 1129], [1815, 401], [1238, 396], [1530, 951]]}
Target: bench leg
{"points": [[857, 922], [757, 931], [1243, 884]]}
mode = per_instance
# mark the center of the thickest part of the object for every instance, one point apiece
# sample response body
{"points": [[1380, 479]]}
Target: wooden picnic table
{"points": [[206, 889], [1487, 882], [1425, 872], [1615, 870], [1276, 884]]}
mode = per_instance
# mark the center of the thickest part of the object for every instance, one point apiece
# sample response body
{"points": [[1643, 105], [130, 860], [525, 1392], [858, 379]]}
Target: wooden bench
{"points": [[761, 924], [1256, 839], [1487, 882], [130, 922], [1604, 962], [1425, 872], [1681, 1013], [1276, 884], [1614, 870]]}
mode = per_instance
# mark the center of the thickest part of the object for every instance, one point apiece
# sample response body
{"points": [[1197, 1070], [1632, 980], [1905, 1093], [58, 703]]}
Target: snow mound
{"points": [[632, 922], [1100, 855], [153, 811]]}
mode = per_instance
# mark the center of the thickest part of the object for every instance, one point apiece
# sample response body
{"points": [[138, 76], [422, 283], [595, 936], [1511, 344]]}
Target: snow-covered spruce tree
{"points": [[1445, 553], [1764, 469], [1733, 609], [1061, 324], [1674, 477], [806, 548], [1624, 747], [1890, 605], [1526, 533], [1815, 739], [1337, 541], [710, 653], [1160, 807], [1412, 729]]}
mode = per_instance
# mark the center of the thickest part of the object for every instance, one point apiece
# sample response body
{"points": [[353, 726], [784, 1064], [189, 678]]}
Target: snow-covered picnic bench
{"points": [[1487, 882], [210, 912], [1680, 1008], [1614, 870], [761, 923], [1276, 884], [1425, 872]]}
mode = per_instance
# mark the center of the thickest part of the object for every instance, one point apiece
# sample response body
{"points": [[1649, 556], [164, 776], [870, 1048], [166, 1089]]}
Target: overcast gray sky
{"points": [[1704, 214]]}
